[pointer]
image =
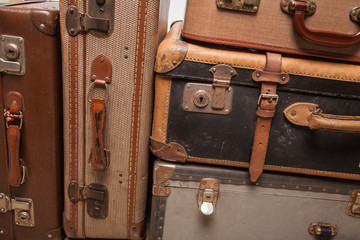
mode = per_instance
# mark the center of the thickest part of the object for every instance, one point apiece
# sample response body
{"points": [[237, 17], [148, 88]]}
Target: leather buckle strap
{"points": [[14, 122], [101, 75], [267, 102]]}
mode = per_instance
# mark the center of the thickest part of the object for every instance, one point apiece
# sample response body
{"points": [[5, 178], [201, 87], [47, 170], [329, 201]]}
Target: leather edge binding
{"points": [[137, 231], [172, 151]]}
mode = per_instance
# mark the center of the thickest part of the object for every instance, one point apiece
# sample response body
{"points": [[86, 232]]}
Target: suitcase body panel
{"points": [[226, 139], [131, 49], [258, 211], [270, 28], [41, 145]]}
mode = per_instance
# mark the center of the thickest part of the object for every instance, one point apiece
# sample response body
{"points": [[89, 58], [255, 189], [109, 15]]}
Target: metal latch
{"points": [[96, 196], [239, 5], [324, 230], [215, 98], [353, 208], [355, 14], [310, 10], [99, 18], [12, 55], [208, 195], [23, 210]]}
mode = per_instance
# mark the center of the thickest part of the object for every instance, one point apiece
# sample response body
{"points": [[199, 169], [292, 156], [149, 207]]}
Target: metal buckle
{"points": [[21, 121], [93, 86], [271, 97]]}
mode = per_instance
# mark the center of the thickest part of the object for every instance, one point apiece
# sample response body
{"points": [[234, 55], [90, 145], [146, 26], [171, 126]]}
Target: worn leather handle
{"points": [[15, 163], [321, 37], [310, 115], [99, 154]]}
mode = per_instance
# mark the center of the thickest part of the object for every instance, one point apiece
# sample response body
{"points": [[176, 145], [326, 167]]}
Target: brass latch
{"points": [[215, 98], [96, 196], [239, 5], [355, 14], [12, 55], [353, 208], [324, 230], [100, 18], [208, 195], [23, 209], [310, 10]]}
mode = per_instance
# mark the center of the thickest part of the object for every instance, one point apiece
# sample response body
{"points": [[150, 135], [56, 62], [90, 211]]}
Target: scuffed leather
{"points": [[15, 163], [137, 231], [171, 152], [309, 115]]}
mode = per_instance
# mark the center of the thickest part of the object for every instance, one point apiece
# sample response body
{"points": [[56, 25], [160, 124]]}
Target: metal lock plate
{"points": [[208, 195], [353, 208], [23, 210], [12, 55], [99, 18], [96, 196], [251, 6]]}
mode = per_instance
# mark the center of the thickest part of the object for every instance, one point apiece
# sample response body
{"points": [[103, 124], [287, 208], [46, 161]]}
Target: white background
{"points": [[176, 11]]}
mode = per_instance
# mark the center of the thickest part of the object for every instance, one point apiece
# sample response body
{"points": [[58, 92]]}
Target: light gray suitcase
{"points": [[200, 202]]}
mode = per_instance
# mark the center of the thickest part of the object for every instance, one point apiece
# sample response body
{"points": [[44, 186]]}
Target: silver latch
{"points": [[208, 195], [12, 55], [99, 18], [23, 209]]}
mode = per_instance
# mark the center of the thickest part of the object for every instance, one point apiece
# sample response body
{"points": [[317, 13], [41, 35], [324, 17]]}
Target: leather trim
{"points": [[55, 234], [69, 228], [46, 21], [310, 115], [171, 51], [138, 230], [162, 172], [136, 108], [238, 43], [275, 168], [173, 151], [101, 68]]}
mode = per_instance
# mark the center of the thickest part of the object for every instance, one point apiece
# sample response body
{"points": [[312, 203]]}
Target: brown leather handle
{"points": [[16, 168], [99, 155], [310, 115], [321, 37]]}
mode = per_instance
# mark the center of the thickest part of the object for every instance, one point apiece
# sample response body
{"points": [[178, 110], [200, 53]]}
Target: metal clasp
{"points": [[323, 229], [23, 210], [100, 18], [12, 55], [353, 208], [239, 5], [208, 195], [271, 97], [310, 10], [355, 14], [96, 196]]}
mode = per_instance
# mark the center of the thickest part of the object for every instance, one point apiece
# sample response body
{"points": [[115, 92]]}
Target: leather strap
{"points": [[266, 111], [17, 170], [99, 154], [325, 233]]}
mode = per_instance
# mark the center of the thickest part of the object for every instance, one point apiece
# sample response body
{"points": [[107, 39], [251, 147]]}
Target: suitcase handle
{"points": [[321, 37], [310, 115]]}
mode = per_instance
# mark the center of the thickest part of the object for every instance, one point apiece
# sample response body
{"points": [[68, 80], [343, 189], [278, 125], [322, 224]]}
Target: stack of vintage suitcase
{"points": [[254, 85]]}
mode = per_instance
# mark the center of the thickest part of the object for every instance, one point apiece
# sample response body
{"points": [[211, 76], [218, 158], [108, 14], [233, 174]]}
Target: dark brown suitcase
{"points": [[244, 109], [31, 192]]}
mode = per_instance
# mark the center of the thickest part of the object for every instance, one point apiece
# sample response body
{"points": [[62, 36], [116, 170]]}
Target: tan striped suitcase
{"points": [[108, 51]]}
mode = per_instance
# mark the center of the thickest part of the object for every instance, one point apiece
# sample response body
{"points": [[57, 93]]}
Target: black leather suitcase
{"points": [[256, 109]]}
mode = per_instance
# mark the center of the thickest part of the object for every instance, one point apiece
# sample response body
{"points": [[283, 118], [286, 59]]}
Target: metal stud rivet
{"points": [[283, 78], [72, 31], [188, 85], [255, 8], [134, 228], [42, 26], [107, 79], [166, 176], [2, 210], [1, 231], [1, 196], [93, 77], [22, 72], [186, 107], [101, 59], [227, 111], [258, 75], [14, 102], [71, 10], [50, 235], [293, 113], [21, 40], [2, 38], [174, 62], [17, 223]]}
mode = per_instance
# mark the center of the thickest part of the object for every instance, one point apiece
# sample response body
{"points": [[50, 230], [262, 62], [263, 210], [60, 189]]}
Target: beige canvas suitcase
{"points": [[326, 28], [209, 203], [108, 51]]}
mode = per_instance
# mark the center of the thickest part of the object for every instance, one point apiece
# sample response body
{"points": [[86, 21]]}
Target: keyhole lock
{"points": [[24, 216], [12, 51], [201, 98]]}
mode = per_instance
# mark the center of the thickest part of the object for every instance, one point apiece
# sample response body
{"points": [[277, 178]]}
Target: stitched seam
{"points": [[219, 62], [273, 167], [166, 114], [323, 76]]}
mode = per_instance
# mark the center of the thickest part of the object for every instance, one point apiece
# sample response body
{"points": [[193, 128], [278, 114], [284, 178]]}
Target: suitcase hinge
{"points": [[12, 55], [208, 195], [239, 5], [353, 208], [324, 230], [99, 18], [23, 210], [96, 196]]}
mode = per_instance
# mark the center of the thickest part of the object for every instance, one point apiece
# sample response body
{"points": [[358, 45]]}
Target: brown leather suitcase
{"points": [[200, 202], [256, 110], [109, 52], [326, 28], [31, 146]]}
